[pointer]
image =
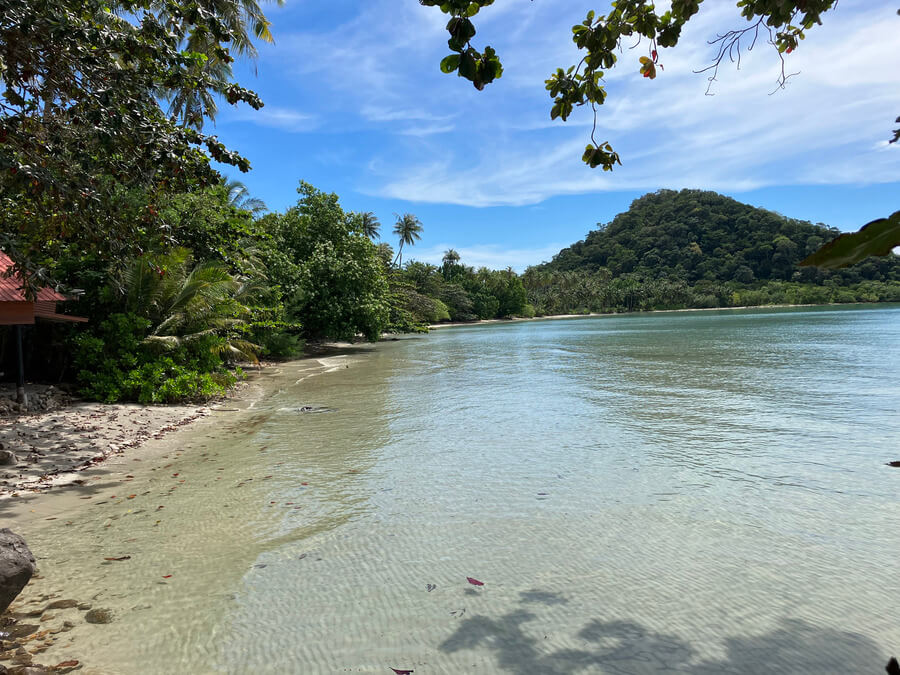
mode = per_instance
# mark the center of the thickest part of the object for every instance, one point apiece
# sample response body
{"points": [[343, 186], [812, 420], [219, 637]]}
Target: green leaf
{"points": [[879, 237], [450, 63]]}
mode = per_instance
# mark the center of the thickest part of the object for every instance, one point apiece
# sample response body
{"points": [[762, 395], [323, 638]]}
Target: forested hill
{"points": [[693, 235]]}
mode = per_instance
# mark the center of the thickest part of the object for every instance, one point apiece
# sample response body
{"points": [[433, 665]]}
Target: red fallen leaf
{"points": [[124, 557], [67, 664], [167, 576], [474, 582], [304, 483], [131, 496], [400, 671]]}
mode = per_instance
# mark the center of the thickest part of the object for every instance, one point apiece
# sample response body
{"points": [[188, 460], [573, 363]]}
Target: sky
{"points": [[356, 104]]}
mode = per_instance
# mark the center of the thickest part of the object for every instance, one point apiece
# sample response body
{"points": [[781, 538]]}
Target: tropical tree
{"points": [[370, 225], [86, 151], [245, 21], [449, 262], [239, 197], [408, 229], [186, 302]]}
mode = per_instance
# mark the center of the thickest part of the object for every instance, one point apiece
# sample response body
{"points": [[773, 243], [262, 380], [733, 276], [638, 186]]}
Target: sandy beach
{"points": [[53, 447]]}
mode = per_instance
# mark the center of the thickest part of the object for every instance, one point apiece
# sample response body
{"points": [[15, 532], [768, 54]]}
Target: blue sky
{"points": [[356, 104]]}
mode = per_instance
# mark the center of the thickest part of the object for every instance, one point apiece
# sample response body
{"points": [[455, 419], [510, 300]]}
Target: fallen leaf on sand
{"points": [[66, 664], [131, 496], [167, 576], [400, 671], [124, 557], [474, 582]]}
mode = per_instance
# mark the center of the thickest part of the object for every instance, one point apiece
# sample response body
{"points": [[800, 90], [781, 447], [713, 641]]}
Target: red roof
{"points": [[11, 287]]}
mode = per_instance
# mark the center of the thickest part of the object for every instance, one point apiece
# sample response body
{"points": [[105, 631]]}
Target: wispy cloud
{"points": [[412, 133], [279, 118], [494, 256]]}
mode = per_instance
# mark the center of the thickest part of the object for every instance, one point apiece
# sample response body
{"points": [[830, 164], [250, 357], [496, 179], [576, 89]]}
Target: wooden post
{"points": [[21, 398]]}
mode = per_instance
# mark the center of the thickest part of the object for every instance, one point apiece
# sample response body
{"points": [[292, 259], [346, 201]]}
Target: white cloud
{"points": [[377, 73], [494, 256], [823, 128], [279, 118]]}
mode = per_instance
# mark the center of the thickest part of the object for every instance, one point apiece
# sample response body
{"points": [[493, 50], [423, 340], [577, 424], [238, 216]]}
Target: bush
{"points": [[114, 364]]}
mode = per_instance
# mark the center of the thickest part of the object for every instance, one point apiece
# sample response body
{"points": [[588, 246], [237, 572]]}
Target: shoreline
{"points": [[552, 317]]}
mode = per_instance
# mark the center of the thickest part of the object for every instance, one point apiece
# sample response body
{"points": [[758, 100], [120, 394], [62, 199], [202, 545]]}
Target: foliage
{"points": [[878, 238], [186, 302], [408, 229], [86, 152], [328, 269], [693, 235], [113, 363]]}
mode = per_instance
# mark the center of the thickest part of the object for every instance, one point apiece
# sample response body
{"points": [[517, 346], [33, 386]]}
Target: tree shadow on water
{"points": [[624, 647]]}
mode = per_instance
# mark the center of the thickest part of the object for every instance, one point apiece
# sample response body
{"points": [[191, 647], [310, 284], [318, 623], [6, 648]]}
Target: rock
{"points": [[16, 566], [99, 616], [34, 669], [8, 458], [62, 604], [84, 606]]}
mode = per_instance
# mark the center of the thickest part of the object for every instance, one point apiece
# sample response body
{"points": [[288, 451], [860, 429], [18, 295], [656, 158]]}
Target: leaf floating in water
{"points": [[474, 582], [400, 671], [167, 576], [124, 557]]}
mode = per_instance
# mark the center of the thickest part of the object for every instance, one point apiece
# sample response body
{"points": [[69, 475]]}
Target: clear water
{"points": [[700, 492]]}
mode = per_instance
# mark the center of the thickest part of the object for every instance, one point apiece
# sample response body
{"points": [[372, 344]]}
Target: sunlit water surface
{"points": [[698, 492]]}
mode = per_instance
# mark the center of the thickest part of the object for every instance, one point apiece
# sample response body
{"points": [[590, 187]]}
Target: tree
{"points": [[245, 21], [330, 272], [409, 230], [370, 225], [239, 197], [85, 149]]}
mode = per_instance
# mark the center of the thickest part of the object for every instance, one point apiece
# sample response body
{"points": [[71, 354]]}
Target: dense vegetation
{"points": [[700, 249]]}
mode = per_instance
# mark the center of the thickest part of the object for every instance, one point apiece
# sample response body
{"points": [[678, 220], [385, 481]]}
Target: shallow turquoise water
{"points": [[697, 492]]}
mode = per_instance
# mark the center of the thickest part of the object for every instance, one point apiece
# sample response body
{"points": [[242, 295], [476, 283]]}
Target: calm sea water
{"points": [[699, 492]]}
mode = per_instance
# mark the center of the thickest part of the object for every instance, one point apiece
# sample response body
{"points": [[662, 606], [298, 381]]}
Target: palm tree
{"points": [[370, 225], [451, 258], [244, 19], [185, 302], [239, 197], [409, 229]]}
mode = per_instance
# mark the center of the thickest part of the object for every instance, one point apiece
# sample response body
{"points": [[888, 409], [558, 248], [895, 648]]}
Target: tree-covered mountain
{"points": [[696, 236]]}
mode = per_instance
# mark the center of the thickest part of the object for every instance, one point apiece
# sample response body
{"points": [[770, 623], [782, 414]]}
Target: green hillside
{"points": [[693, 235]]}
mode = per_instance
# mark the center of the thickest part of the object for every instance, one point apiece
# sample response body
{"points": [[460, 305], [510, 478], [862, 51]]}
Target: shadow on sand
{"points": [[626, 647]]}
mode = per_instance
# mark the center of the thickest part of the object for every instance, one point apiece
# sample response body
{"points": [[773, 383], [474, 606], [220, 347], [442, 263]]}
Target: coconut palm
{"points": [[409, 230], [370, 225], [185, 302], [239, 197], [245, 21]]}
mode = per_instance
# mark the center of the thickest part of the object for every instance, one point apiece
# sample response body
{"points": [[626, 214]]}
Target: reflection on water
{"points": [[695, 492]]}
